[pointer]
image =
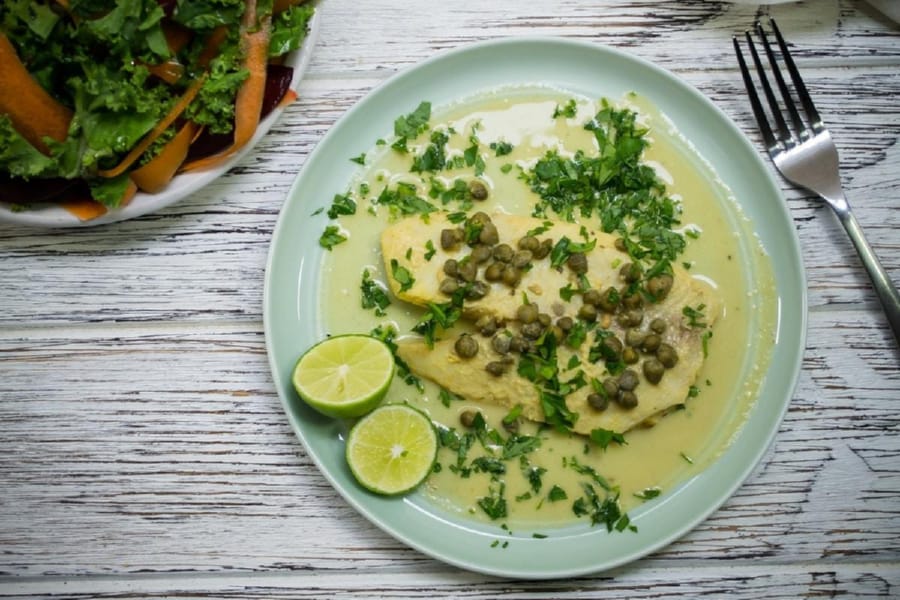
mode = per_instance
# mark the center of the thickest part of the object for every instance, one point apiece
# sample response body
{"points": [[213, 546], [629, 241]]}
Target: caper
{"points": [[609, 300], [610, 387], [519, 344], [630, 272], [480, 254], [529, 242], [651, 343], [667, 355], [543, 251], [627, 399], [467, 271], [597, 401], [631, 299], [653, 370], [659, 285], [565, 323], [591, 297], [532, 330], [467, 417], [489, 234], [631, 318], [588, 313], [612, 346], [658, 325], [511, 276], [477, 290], [479, 219], [558, 333], [496, 368], [486, 325], [634, 337], [478, 190], [501, 343], [449, 286], [494, 271], [545, 319], [577, 261], [451, 267], [629, 356], [521, 259], [503, 252], [450, 238], [620, 245], [466, 346], [527, 313], [628, 380]]}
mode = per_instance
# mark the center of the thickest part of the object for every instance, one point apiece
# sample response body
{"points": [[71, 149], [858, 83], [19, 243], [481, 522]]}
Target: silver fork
{"points": [[807, 155]]}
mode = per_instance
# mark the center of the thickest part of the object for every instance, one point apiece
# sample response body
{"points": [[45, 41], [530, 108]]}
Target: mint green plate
{"points": [[292, 298]]}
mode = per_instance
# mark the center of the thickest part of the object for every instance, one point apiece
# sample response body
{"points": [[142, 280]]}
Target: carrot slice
{"points": [[157, 130], [169, 71], [213, 42], [156, 174], [248, 104], [84, 208], [33, 112]]}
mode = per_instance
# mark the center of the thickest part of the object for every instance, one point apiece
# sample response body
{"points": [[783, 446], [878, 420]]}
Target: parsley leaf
{"points": [[331, 237]]}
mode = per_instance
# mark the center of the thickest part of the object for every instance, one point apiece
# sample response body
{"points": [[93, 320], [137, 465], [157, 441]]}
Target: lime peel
{"points": [[344, 376], [392, 450]]}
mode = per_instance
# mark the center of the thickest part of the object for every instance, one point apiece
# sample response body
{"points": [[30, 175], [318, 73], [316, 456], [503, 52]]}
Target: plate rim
{"points": [[793, 370], [49, 216]]}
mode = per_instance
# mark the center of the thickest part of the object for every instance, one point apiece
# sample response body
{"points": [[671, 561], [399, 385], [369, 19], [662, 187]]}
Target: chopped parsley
{"points": [[373, 294], [402, 275], [648, 493], [360, 160], [331, 237], [603, 437], [556, 494], [695, 316], [501, 148], [342, 204], [410, 126], [404, 201], [569, 110]]}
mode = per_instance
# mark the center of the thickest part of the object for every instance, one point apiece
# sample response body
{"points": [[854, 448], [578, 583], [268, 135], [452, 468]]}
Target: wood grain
{"points": [[144, 452]]}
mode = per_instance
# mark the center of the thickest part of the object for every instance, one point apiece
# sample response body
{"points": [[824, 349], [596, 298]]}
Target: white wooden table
{"points": [[143, 450]]}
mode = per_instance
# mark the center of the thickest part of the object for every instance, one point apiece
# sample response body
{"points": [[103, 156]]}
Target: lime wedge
{"points": [[392, 449], [344, 376]]}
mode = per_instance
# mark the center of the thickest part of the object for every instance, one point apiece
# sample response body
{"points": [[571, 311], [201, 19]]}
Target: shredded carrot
{"points": [[169, 71], [156, 174], [84, 208], [33, 112], [248, 103], [157, 130], [87, 208]]}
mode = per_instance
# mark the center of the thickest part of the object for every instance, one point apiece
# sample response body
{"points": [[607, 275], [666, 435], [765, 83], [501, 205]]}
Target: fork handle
{"points": [[887, 293]]}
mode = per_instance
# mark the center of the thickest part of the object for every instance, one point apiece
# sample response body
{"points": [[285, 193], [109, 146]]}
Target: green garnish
{"points": [[331, 237], [402, 275], [603, 437], [373, 294], [410, 126], [342, 204], [569, 110], [648, 493]]}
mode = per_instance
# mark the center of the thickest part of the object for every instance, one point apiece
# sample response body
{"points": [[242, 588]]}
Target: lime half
{"points": [[344, 376], [392, 449]]}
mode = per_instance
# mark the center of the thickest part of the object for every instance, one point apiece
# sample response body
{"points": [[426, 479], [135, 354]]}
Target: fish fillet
{"points": [[541, 284]]}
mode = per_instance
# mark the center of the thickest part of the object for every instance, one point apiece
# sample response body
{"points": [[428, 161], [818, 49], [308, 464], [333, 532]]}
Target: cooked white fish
{"points": [[540, 285]]}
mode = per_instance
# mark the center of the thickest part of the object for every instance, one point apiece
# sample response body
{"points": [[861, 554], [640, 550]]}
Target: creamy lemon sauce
{"points": [[726, 254]]}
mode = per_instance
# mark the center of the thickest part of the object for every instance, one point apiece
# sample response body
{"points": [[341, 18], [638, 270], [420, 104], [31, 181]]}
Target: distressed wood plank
{"points": [[174, 437]]}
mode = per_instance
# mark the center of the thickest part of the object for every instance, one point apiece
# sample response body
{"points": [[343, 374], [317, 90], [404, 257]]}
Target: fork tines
{"points": [[785, 138]]}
